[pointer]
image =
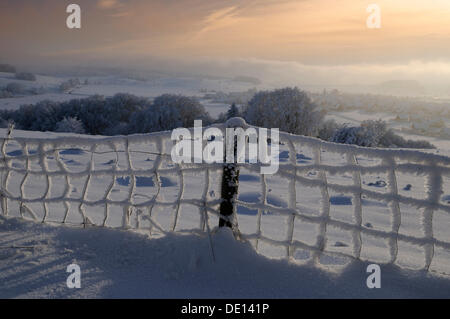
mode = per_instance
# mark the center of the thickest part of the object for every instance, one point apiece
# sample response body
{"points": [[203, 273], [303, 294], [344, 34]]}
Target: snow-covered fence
{"points": [[327, 202]]}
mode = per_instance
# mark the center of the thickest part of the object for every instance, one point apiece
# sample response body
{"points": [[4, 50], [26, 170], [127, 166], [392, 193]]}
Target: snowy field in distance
{"points": [[111, 85]]}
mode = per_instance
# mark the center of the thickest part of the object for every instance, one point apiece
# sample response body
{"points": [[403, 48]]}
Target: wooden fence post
{"points": [[230, 181], [230, 185]]}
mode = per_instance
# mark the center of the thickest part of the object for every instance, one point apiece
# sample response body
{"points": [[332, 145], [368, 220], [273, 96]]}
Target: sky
{"points": [[302, 35]]}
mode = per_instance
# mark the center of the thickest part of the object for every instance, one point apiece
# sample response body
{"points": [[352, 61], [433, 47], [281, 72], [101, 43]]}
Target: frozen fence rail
{"points": [[327, 202]]}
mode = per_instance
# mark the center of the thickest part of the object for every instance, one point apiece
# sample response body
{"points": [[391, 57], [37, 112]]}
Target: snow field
{"points": [[122, 264]]}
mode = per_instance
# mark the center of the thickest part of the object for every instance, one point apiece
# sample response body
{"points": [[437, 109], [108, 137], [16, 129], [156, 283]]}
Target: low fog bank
{"points": [[414, 78]]}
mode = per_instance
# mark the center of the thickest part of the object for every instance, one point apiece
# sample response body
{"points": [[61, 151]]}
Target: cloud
{"points": [[219, 19], [117, 8], [109, 4], [306, 31], [121, 14]]}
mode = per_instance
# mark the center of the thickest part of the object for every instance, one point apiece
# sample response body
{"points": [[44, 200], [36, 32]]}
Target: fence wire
{"points": [[132, 182]]}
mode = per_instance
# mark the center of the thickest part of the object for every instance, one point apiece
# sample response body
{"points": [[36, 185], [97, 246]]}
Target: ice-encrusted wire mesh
{"points": [[433, 169], [61, 172]]}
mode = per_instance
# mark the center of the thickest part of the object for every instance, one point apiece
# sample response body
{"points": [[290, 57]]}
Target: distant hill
{"points": [[7, 68], [247, 79]]}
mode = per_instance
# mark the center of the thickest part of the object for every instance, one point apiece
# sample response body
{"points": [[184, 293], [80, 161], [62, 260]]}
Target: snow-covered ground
{"points": [[123, 264]]}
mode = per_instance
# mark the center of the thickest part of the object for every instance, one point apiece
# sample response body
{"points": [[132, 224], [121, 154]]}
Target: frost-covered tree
{"points": [[188, 108], [42, 116], [167, 112], [328, 129], [70, 125], [120, 128], [375, 134], [155, 119], [106, 116], [120, 114], [289, 109], [350, 135], [368, 134], [92, 112], [7, 68], [233, 111], [121, 106]]}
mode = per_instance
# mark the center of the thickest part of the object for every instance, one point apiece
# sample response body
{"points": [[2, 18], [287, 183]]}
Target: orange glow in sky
{"points": [[306, 31]]}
